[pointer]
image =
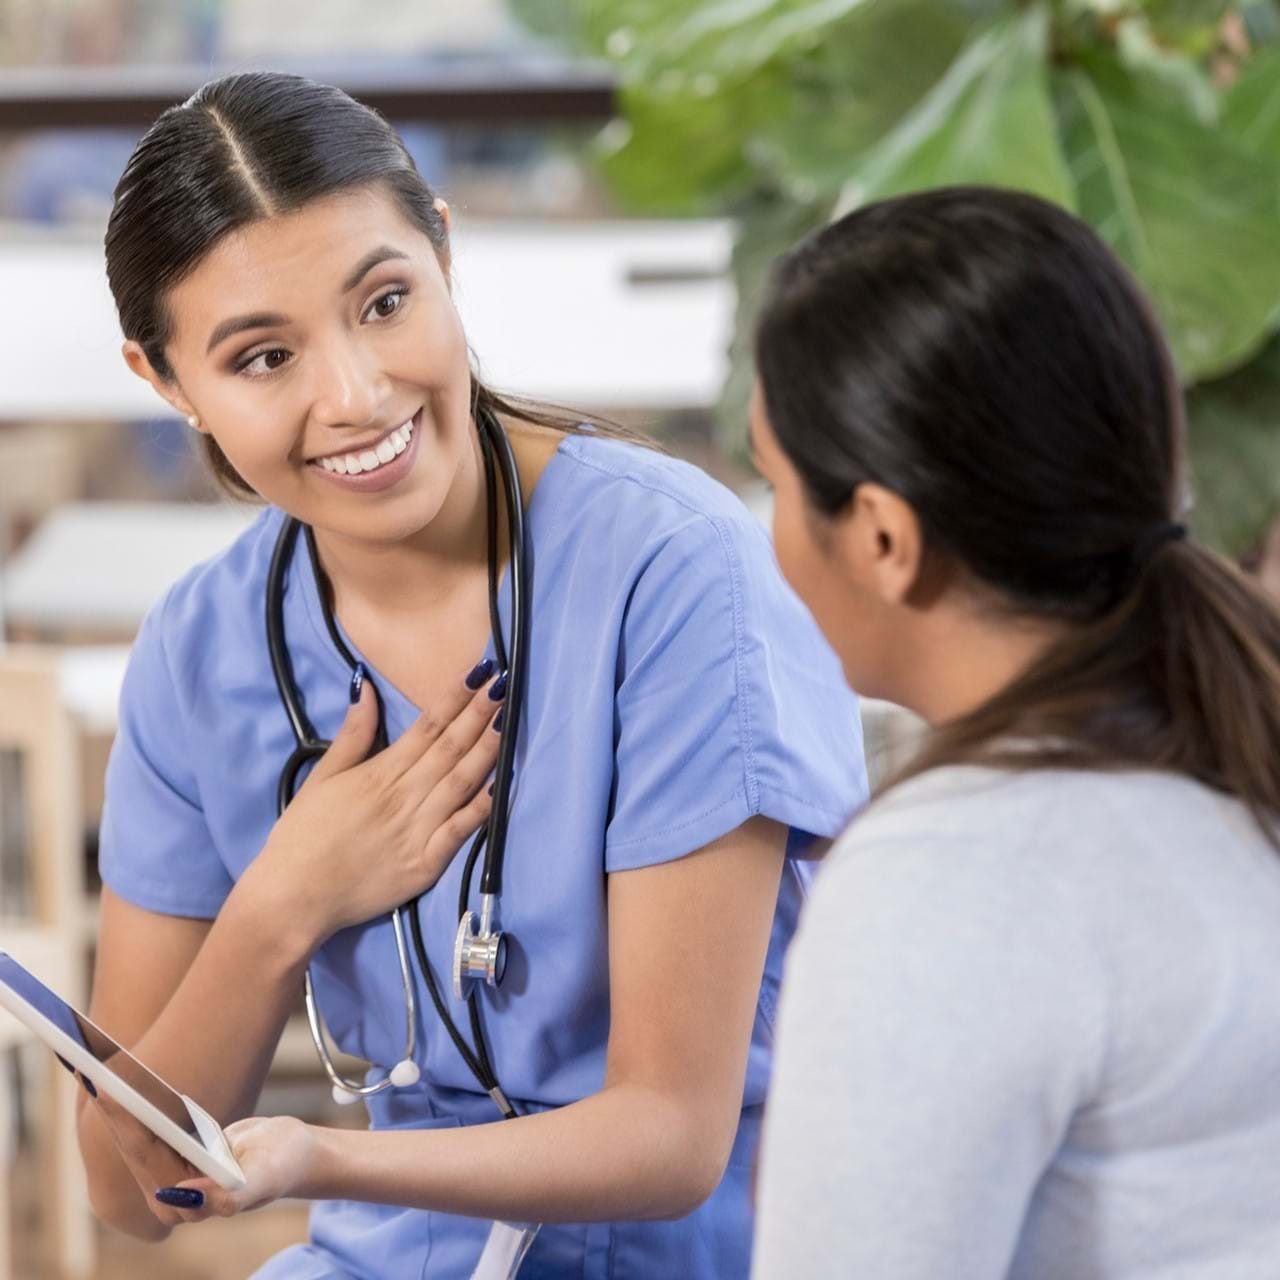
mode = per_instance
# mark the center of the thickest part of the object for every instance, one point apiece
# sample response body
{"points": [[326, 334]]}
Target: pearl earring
{"points": [[192, 421]]}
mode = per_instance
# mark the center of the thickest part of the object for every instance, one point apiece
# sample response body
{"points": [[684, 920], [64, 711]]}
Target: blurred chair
{"points": [[46, 939]]}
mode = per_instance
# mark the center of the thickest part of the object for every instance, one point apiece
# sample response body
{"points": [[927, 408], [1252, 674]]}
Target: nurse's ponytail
{"points": [[250, 146], [983, 355]]}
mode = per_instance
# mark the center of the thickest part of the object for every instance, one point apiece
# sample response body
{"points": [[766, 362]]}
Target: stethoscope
{"points": [[480, 949]]}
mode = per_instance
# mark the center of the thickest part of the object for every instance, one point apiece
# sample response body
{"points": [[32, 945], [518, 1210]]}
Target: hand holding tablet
{"points": [[159, 1130]]}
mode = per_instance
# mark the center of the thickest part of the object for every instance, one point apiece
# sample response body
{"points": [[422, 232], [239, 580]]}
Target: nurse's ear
{"points": [[169, 391], [877, 543], [443, 256]]}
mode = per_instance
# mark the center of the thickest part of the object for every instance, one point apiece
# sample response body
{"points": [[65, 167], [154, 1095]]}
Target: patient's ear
{"points": [[170, 392], [877, 543]]}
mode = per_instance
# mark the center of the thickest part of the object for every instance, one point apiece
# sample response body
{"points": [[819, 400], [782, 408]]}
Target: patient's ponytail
{"points": [[982, 354]]}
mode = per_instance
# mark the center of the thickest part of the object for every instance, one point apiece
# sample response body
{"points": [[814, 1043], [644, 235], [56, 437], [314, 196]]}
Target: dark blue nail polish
{"points": [[181, 1197], [479, 673], [497, 720], [65, 1063], [357, 682], [491, 787], [498, 689], [88, 1085]]}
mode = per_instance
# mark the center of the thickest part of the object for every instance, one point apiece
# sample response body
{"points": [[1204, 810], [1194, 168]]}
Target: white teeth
{"points": [[352, 464]]}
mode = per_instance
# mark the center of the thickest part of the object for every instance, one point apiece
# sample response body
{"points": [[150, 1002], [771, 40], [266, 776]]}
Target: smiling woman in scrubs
{"points": [[282, 277]]}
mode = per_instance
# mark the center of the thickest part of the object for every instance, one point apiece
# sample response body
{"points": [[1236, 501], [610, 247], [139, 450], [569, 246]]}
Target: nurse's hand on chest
{"points": [[416, 803]]}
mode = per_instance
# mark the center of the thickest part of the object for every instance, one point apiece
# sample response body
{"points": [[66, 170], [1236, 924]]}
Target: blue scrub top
{"points": [[676, 687]]}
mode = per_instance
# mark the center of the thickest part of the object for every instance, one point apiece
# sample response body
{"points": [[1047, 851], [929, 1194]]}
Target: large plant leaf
{"points": [[852, 89], [1190, 25], [1251, 108], [1234, 426], [730, 39], [685, 153], [1181, 77], [1193, 214], [988, 120], [704, 139]]}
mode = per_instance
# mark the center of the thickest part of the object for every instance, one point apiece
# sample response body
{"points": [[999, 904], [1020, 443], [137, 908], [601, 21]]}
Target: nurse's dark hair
{"points": [[246, 147], [984, 356]]}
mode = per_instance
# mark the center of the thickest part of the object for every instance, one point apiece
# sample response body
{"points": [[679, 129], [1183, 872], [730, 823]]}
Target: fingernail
{"points": [[181, 1197], [497, 720], [491, 787], [357, 682], [479, 673], [88, 1085], [498, 689], [65, 1063]]}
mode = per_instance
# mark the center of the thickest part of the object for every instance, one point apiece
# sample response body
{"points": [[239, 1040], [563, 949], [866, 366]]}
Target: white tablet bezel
{"points": [[215, 1160]]}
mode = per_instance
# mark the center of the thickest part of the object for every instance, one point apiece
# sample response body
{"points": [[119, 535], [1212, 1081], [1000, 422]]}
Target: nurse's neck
{"points": [[434, 565]]}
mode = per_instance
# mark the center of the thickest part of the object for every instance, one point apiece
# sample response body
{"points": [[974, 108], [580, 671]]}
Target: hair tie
{"points": [[1145, 549]]}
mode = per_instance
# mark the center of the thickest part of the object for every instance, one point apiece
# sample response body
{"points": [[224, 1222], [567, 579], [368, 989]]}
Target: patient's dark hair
{"points": [[983, 355], [248, 147]]}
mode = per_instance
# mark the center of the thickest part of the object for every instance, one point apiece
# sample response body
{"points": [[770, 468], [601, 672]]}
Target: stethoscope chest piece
{"points": [[479, 953]]}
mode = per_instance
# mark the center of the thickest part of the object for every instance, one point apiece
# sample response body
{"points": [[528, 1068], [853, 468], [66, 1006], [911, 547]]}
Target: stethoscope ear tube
{"points": [[517, 665]]}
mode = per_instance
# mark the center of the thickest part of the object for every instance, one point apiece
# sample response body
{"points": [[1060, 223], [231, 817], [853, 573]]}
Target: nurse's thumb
{"points": [[354, 740]]}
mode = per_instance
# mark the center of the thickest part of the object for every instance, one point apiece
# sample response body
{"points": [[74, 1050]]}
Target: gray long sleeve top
{"points": [[1030, 1027]]}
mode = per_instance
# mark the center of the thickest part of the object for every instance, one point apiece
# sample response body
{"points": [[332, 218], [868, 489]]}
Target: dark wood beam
{"points": [[454, 91]]}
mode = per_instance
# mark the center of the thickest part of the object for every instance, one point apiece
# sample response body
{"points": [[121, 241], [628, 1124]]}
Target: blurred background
{"points": [[621, 173]]}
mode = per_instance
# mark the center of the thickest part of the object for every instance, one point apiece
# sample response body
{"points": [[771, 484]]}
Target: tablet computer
{"points": [[172, 1117]]}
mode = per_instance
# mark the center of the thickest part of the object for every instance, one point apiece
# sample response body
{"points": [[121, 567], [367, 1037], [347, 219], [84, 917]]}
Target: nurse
{"points": [[281, 273]]}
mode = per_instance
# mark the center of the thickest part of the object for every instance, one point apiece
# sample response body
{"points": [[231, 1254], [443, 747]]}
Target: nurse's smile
{"points": [[377, 465]]}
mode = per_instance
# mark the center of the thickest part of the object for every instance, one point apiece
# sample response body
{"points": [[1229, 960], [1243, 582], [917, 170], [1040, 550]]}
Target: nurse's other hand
{"points": [[152, 1163], [365, 835], [275, 1155]]}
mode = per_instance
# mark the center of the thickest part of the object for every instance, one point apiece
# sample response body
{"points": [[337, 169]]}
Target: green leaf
{"points": [[847, 94], [1190, 25], [1192, 214], [1182, 78], [1234, 431], [1251, 109], [686, 154], [988, 120]]}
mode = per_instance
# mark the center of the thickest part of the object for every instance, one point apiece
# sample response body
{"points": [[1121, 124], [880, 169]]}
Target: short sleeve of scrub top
{"points": [[716, 708], [676, 688], [154, 841]]}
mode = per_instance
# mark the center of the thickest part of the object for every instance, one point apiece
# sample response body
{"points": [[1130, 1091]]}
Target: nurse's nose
{"points": [[349, 389]]}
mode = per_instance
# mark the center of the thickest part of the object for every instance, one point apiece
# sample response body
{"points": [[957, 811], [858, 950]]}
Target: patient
{"points": [[1031, 1021]]}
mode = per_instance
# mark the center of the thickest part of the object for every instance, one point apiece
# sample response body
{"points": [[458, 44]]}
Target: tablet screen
{"points": [[98, 1043]]}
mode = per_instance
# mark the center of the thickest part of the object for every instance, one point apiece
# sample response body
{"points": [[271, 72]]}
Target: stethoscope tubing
{"points": [[492, 838]]}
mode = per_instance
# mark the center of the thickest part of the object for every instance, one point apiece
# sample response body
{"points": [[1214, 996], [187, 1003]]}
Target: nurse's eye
{"points": [[261, 364], [387, 304]]}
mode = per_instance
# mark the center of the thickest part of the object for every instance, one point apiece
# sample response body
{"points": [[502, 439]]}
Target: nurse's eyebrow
{"points": [[256, 320], [266, 319], [383, 253]]}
